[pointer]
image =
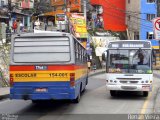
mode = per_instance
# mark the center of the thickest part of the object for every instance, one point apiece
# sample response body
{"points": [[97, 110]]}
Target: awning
{"points": [[4, 17], [20, 13]]}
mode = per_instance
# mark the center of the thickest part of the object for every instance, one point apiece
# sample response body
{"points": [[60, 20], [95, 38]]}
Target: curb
{"points": [[96, 73], [4, 96], [156, 108], [156, 75]]}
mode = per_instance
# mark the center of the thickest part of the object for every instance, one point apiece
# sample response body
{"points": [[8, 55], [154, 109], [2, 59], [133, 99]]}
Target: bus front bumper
{"points": [[144, 87]]}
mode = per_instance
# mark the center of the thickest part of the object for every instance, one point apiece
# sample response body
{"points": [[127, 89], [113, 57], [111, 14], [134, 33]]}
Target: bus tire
{"points": [[145, 93], [87, 80], [113, 93], [36, 101], [77, 100]]}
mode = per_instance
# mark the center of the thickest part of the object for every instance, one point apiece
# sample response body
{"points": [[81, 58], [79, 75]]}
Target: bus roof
{"points": [[43, 33]]}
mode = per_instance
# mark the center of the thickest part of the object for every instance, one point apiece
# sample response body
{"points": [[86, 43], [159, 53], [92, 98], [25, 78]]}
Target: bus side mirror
{"points": [[154, 56], [104, 56]]}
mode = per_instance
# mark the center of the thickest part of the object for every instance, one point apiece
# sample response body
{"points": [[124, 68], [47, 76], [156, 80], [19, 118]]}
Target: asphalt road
{"points": [[95, 103]]}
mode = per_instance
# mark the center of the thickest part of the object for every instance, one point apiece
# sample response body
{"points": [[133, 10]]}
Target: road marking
{"points": [[144, 107]]}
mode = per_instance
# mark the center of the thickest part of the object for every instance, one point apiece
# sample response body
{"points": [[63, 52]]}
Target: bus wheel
{"points": [[87, 80], [112, 93], [77, 100], [36, 101], [145, 93]]}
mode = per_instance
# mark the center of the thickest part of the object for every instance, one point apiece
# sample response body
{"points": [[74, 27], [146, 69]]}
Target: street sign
{"points": [[156, 27]]}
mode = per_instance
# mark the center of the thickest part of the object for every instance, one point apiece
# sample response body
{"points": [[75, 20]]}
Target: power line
{"points": [[122, 10], [138, 17], [120, 17]]}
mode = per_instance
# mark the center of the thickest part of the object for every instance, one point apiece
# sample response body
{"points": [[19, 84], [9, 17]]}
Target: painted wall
{"points": [[147, 26], [25, 4], [113, 14]]}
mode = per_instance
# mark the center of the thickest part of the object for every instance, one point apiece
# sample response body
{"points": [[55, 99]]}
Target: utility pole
{"points": [[158, 8], [85, 10], [158, 15], [9, 9], [10, 15], [66, 10]]}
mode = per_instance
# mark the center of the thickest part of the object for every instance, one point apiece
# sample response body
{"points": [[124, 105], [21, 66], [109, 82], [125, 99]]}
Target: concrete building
{"points": [[18, 14], [3, 3], [3, 11]]}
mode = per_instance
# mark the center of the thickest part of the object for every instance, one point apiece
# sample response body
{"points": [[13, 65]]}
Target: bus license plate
{"points": [[41, 89], [146, 87]]}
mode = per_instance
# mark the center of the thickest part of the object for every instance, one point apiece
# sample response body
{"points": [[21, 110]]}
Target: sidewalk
{"points": [[4, 92], [96, 72]]}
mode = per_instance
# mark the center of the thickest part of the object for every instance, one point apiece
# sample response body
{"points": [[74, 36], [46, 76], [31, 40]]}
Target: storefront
{"points": [[24, 18]]}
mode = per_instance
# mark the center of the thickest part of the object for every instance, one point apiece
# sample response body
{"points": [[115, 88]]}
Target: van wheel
{"points": [[113, 93], [145, 93]]}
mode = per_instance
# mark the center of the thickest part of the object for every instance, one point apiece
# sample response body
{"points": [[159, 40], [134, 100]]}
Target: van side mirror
{"points": [[104, 56]]}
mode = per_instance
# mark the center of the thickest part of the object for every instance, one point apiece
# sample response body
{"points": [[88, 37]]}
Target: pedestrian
{"points": [[94, 67], [37, 24], [18, 26], [45, 25], [14, 26], [21, 26], [89, 65]]}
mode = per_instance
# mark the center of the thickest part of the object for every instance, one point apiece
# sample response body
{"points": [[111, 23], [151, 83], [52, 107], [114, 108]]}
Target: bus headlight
{"points": [[146, 81], [111, 81], [142, 81]]}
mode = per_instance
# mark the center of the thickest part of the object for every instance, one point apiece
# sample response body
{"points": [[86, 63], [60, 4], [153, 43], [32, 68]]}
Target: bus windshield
{"points": [[129, 61]]}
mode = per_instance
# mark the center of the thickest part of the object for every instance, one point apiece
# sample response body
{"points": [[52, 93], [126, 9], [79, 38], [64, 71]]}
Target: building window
{"points": [[129, 17], [150, 35], [128, 1], [136, 35], [150, 16], [2, 3], [151, 1], [76, 1]]}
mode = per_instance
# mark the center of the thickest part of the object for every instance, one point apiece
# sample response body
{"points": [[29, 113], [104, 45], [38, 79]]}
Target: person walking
{"points": [[21, 26], [94, 67], [45, 25], [18, 26], [14, 26], [89, 65]]}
